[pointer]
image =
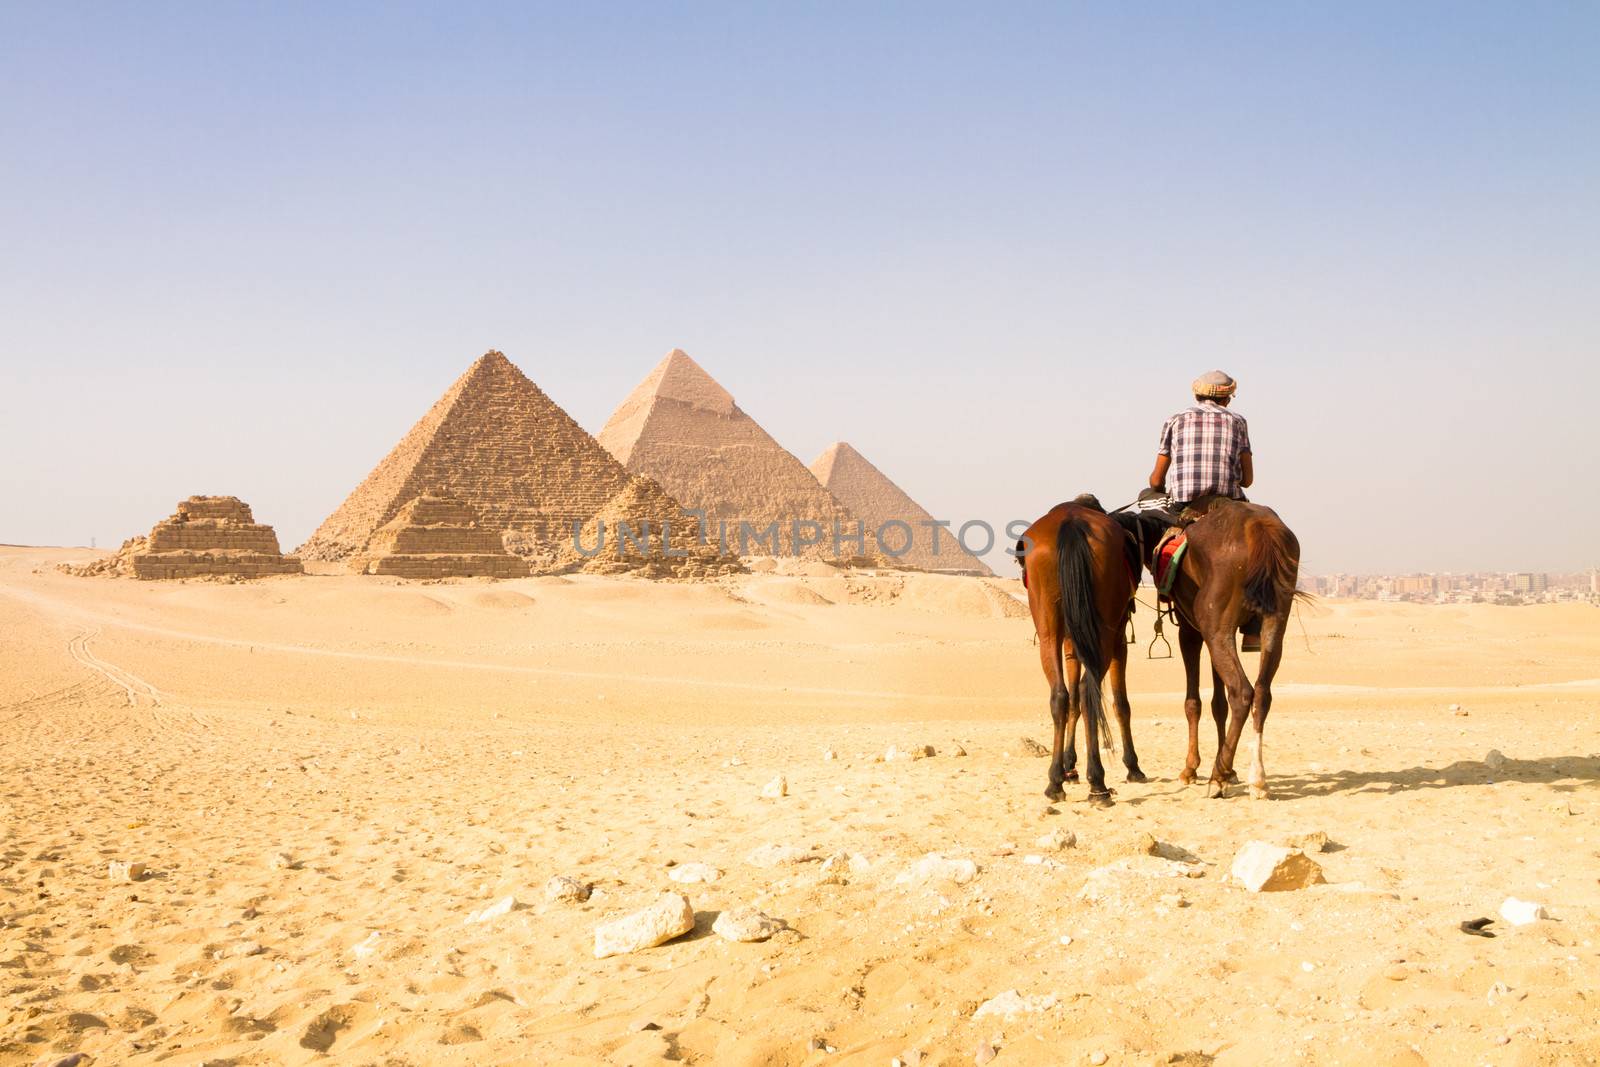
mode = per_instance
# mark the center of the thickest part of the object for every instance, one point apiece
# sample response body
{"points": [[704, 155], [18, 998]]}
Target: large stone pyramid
{"points": [[497, 443], [869, 493], [682, 429]]}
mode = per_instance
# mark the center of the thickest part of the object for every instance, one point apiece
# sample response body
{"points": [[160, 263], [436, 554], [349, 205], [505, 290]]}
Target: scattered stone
{"points": [[77, 1059], [1495, 760], [1174, 900], [1010, 1004], [911, 752], [911, 1057], [955, 749], [367, 948], [639, 1026], [1476, 927], [1097, 1058], [1030, 747], [1310, 841], [1106, 885], [1457, 709], [778, 787], [282, 861], [1261, 867], [746, 924], [984, 1053], [1056, 840], [1397, 972], [669, 917], [1522, 912], [829, 754], [694, 872], [564, 887], [122, 871], [781, 856], [500, 907], [935, 868], [249, 948]]}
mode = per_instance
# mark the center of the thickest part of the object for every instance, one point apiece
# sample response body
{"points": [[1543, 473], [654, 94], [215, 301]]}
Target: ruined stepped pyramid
{"points": [[497, 443], [870, 493], [437, 536], [207, 535], [684, 430], [627, 536]]}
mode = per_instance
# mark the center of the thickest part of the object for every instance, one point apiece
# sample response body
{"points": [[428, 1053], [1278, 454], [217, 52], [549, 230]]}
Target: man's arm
{"points": [[1247, 470], [1158, 477]]}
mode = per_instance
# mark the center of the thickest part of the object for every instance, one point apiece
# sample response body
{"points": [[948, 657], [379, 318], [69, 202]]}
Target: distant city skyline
{"points": [[990, 248]]}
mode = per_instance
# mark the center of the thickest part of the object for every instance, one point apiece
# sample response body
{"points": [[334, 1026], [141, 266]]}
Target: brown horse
{"points": [[1241, 561], [1080, 577]]}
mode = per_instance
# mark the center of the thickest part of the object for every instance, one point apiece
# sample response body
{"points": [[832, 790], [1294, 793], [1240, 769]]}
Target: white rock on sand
{"points": [[778, 787], [669, 917], [746, 924], [935, 868], [905, 752], [1495, 760], [780, 856], [1522, 912], [564, 887], [500, 907], [1056, 840], [1309, 841], [1010, 1004], [694, 872], [1264, 868], [120, 871]]}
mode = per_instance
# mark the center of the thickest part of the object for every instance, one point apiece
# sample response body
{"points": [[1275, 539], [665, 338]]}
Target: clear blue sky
{"points": [[246, 246]]}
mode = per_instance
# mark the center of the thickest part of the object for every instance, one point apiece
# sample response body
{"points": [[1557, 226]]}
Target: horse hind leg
{"points": [[1060, 700], [1189, 644], [1074, 711], [1117, 677], [1219, 713], [1271, 654]]}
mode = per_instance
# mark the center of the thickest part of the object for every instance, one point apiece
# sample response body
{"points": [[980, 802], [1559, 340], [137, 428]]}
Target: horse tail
{"points": [[1080, 615], [1272, 567]]}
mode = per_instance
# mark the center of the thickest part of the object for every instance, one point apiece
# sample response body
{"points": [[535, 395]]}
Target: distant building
{"points": [[1530, 584]]}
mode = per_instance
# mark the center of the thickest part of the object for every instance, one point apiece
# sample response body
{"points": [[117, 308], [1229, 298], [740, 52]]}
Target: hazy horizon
{"points": [[248, 248]]}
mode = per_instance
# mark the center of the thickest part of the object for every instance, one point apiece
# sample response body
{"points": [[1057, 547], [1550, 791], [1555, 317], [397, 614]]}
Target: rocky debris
{"points": [[935, 868], [1397, 972], [746, 924], [1029, 747], [1522, 912], [778, 787], [1457, 709], [123, 871], [1011, 1004], [249, 948], [781, 856], [1495, 760], [1108, 884], [1097, 1058], [854, 862], [564, 888], [911, 1057], [503, 906], [1264, 868], [367, 947], [829, 754], [1309, 841], [669, 917], [639, 1026], [984, 1053], [1056, 840], [282, 861], [907, 752], [694, 872], [955, 749]]}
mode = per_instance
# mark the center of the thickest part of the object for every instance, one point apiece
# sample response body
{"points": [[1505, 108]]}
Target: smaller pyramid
{"points": [[436, 535], [643, 531], [207, 535], [871, 494]]}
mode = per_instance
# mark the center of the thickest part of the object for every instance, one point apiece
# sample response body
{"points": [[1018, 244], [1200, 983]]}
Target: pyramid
{"points": [[438, 536], [869, 493], [684, 430], [628, 536], [207, 535], [495, 442]]}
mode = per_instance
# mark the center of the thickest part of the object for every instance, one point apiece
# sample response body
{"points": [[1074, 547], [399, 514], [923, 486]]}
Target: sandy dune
{"points": [[327, 775]]}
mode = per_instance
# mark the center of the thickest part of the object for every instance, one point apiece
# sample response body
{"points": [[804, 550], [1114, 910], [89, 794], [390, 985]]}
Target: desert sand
{"points": [[328, 775]]}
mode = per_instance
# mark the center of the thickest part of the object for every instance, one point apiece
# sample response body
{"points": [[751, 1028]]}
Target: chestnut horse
{"points": [[1080, 575], [1241, 561]]}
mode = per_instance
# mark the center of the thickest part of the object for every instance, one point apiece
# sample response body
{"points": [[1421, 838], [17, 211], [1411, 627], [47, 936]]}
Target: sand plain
{"points": [[326, 775]]}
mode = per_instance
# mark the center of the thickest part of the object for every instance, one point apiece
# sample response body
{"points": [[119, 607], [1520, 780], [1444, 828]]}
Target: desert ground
{"points": [[327, 776]]}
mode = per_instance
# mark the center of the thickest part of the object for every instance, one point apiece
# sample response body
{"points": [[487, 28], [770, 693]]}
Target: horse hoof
{"points": [[1055, 793], [1137, 776], [1232, 778], [1186, 776], [1259, 792], [1216, 791], [1071, 776], [1101, 800]]}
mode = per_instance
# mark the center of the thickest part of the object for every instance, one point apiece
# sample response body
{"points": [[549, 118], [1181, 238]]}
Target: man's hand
{"points": [[1158, 477], [1247, 470]]}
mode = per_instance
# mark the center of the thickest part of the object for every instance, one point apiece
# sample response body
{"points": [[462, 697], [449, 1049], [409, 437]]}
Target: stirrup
{"points": [[1150, 653]]}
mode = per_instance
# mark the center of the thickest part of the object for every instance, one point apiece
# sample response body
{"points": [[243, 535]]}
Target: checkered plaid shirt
{"points": [[1205, 443]]}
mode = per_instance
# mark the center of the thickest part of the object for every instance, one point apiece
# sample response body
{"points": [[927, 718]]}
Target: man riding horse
{"points": [[1204, 454]]}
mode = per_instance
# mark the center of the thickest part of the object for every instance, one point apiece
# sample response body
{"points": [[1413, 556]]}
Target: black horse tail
{"points": [[1081, 617], [1272, 567]]}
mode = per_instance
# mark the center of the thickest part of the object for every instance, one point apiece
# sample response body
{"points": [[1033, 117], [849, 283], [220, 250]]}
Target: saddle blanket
{"points": [[1169, 554]]}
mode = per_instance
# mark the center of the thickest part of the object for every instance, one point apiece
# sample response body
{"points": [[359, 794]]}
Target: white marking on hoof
{"points": [[1259, 792], [1216, 790]]}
